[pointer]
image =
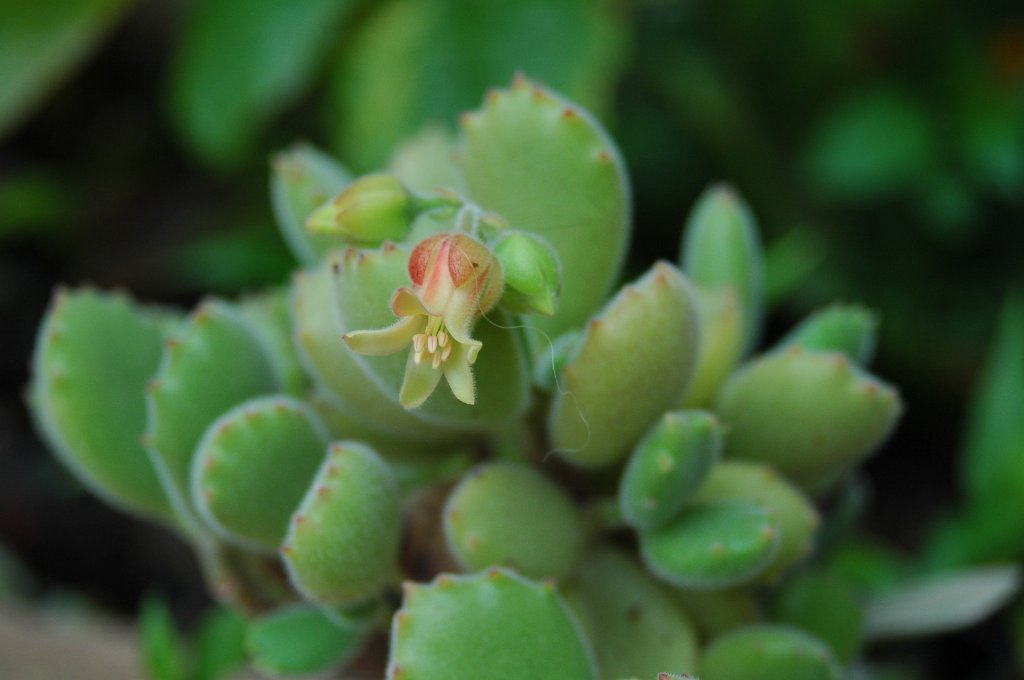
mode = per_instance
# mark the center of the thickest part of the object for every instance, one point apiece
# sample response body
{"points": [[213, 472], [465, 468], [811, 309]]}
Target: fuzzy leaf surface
{"points": [[634, 362], [94, 355]]}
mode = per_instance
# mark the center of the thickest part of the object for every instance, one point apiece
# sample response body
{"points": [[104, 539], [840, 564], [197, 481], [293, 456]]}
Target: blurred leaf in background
{"points": [[42, 42], [33, 203], [870, 146], [424, 61], [240, 63], [992, 458], [214, 651]]}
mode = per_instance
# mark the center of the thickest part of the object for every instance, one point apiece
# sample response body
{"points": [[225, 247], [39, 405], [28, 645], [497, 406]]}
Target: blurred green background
{"points": [[880, 143]]}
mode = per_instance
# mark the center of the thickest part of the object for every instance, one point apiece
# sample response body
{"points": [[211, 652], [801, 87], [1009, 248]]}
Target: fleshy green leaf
{"points": [[721, 252], [667, 466], [849, 329], [491, 520], [214, 363], [732, 480], [93, 357], [427, 161], [342, 545], [810, 414], [269, 314], [712, 545], [253, 466], [547, 167], [299, 640], [634, 362], [630, 619], [768, 652], [495, 625]]}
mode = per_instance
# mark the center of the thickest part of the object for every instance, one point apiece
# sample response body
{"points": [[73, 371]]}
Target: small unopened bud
{"points": [[371, 210], [533, 273]]}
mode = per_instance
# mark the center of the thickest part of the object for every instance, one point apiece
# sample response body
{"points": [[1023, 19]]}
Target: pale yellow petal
{"points": [[388, 340], [459, 374], [420, 381], [405, 303]]}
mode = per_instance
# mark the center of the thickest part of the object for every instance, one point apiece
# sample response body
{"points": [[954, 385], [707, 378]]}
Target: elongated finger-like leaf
{"points": [[810, 414], [633, 363]]}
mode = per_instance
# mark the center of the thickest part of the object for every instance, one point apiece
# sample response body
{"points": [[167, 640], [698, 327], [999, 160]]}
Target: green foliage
{"points": [[874, 144], [941, 603], [42, 42], [342, 544], [162, 652], [241, 63], [634, 361], [298, 640], [769, 652], [253, 466], [213, 652], [810, 414], [630, 618], [994, 445], [520, 149], [490, 518], [316, 462], [427, 60], [87, 394], [828, 605], [712, 545], [494, 624], [667, 466]]}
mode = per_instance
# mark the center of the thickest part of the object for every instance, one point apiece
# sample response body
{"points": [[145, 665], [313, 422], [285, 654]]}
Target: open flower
{"points": [[455, 279]]}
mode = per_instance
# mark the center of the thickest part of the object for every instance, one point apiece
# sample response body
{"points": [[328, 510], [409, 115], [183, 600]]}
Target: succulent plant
{"points": [[457, 428]]}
